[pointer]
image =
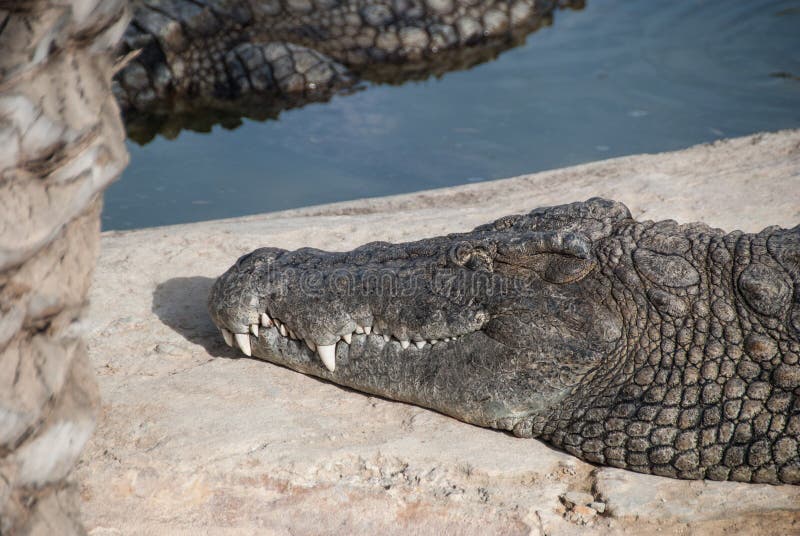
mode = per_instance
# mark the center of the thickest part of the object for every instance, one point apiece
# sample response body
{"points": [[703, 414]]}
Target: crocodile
{"points": [[191, 63], [663, 348]]}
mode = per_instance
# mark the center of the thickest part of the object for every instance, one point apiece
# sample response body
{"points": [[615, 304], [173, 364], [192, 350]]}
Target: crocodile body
{"points": [[656, 347]]}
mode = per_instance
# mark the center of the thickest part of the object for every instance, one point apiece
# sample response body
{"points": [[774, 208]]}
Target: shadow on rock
{"points": [[180, 303]]}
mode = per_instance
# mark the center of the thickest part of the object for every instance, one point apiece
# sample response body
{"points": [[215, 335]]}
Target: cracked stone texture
{"points": [[61, 144], [193, 436]]}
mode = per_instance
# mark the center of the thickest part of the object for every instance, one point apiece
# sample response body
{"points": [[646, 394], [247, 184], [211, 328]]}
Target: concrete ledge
{"points": [[191, 436]]}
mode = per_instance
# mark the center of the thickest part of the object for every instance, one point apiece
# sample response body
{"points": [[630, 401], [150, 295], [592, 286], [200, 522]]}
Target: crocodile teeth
{"points": [[311, 346], [283, 330], [348, 338], [404, 344], [243, 340], [367, 329], [228, 336], [386, 337], [327, 352], [266, 321], [359, 330], [254, 330], [434, 341], [419, 344], [291, 334]]}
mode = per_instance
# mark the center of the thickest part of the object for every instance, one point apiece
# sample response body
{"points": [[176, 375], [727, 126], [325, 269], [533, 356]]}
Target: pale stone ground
{"points": [[193, 438]]}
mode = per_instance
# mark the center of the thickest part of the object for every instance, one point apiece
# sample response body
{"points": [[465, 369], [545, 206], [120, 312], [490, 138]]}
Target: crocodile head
{"points": [[492, 326], [657, 347]]}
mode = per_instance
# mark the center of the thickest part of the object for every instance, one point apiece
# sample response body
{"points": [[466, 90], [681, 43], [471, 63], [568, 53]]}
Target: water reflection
{"points": [[619, 77], [171, 112]]}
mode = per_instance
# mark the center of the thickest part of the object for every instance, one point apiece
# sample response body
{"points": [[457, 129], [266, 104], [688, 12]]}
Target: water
{"points": [[619, 77]]}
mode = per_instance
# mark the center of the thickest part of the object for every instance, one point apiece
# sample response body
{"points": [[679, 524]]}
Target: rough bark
{"points": [[61, 144]]}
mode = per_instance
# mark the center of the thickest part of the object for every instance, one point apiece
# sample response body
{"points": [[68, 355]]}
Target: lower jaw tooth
{"points": [[359, 330], [367, 329], [386, 338], [434, 341], [243, 340], [419, 344], [327, 353], [283, 331], [404, 344]]}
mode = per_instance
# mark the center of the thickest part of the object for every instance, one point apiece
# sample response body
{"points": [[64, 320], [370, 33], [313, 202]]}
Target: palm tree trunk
{"points": [[61, 144]]}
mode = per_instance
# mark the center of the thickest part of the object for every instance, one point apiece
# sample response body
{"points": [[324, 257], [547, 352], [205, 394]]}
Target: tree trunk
{"points": [[61, 144]]}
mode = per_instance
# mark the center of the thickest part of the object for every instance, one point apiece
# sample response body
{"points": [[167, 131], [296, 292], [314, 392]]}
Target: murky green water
{"points": [[619, 77]]}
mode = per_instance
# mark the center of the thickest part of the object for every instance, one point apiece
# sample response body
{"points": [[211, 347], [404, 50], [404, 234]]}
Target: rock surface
{"points": [[193, 436]]}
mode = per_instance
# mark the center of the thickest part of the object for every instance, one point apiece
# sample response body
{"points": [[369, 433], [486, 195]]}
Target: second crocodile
{"points": [[257, 57]]}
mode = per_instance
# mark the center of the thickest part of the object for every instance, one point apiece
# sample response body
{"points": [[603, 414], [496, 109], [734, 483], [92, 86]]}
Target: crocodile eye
{"points": [[461, 253], [466, 255]]}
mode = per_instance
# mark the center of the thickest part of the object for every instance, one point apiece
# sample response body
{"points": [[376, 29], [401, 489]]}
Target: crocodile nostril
{"points": [[242, 259]]}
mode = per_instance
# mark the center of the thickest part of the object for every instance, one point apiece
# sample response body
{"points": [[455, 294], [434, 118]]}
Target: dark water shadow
{"points": [[203, 114], [180, 303], [170, 118]]}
